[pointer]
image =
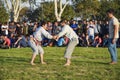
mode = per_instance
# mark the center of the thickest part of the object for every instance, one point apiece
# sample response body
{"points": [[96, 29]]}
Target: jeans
{"points": [[112, 50]]}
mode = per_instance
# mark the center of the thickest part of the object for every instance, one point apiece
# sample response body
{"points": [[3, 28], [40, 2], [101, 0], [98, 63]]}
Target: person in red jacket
{"points": [[97, 41], [7, 42]]}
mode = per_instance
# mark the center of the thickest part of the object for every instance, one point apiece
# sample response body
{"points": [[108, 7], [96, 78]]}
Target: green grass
{"points": [[87, 64]]}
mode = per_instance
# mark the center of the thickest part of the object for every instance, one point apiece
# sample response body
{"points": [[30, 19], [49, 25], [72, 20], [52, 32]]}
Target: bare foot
{"points": [[43, 62], [67, 64], [113, 63], [32, 63]]}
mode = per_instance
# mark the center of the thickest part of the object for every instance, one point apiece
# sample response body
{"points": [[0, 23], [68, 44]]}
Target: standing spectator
{"points": [[106, 28], [102, 28], [30, 28], [91, 27], [4, 29], [113, 35], [19, 29], [84, 27], [12, 28], [74, 26], [97, 28], [25, 28]]}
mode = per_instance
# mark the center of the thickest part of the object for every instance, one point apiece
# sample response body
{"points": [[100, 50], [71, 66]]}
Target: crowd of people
{"points": [[91, 33]]}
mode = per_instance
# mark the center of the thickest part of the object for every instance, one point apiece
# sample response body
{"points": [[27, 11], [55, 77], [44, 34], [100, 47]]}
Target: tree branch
{"points": [[61, 11], [56, 9], [8, 5]]}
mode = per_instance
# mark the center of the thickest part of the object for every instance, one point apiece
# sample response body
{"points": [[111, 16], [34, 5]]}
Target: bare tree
{"points": [[58, 13], [14, 7]]}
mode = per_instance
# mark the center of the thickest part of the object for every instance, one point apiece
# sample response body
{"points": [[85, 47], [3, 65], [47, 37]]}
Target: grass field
{"points": [[87, 64]]}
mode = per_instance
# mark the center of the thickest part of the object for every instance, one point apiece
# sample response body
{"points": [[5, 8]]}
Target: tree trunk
{"points": [[15, 7], [58, 15]]}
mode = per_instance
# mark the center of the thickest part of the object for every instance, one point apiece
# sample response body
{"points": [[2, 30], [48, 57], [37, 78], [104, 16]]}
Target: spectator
{"points": [[19, 29], [91, 27], [21, 42], [12, 40], [56, 28], [60, 42], [25, 28], [6, 44], [82, 40], [74, 26], [97, 27], [30, 28], [49, 27], [84, 27], [97, 41], [12, 28], [4, 29], [105, 40]]}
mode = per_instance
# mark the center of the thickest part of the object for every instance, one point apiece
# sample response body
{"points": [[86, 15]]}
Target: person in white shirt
{"points": [[91, 27], [73, 40], [35, 42], [4, 29], [113, 35]]}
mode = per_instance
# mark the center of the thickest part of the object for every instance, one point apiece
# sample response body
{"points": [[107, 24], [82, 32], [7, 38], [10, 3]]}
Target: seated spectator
{"points": [[12, 40], [21, 42], [97, 41], [82, 40], [45, 42], [60, 42], [105, 40], [1, 40], [6, 43], [66, 40]]}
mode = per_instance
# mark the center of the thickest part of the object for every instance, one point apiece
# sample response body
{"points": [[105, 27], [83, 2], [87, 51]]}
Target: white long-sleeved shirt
{"points": [[68, 32], [40, 33]]}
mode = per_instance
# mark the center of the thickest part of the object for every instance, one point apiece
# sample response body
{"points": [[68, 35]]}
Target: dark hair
{"points": [[63, 21], [43, 23], [110, 11]]}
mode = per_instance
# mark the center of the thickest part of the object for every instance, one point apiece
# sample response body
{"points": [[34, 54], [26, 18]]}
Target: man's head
{"points": [[44, 25], [110, 13], [63, 22]]}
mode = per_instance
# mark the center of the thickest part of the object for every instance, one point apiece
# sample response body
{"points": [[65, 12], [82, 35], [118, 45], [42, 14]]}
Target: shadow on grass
{"points": [[90, 62], [16, 60], [22, 60]]}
